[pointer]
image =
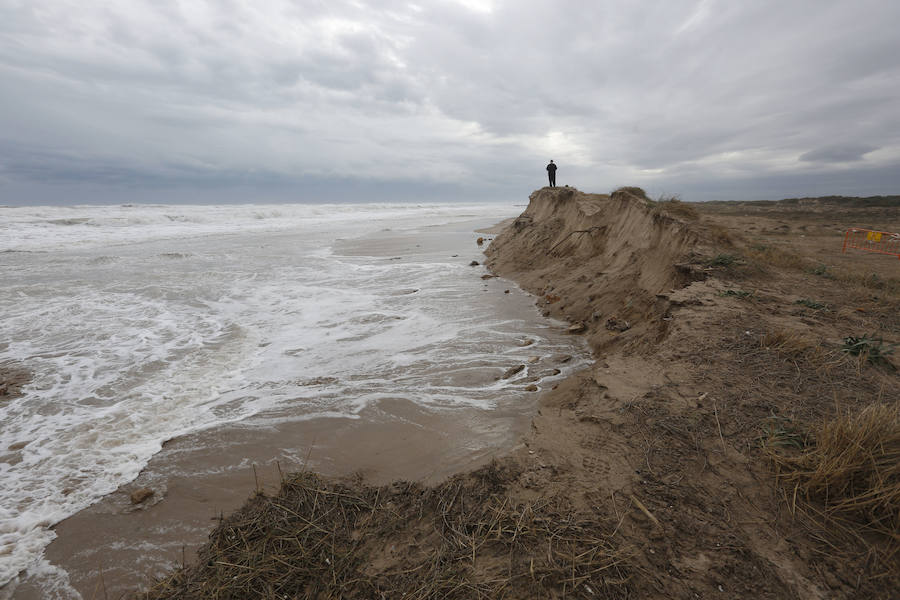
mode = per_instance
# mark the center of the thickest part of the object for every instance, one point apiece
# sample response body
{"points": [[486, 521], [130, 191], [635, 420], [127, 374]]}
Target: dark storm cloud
{"points": [[692, 97]]}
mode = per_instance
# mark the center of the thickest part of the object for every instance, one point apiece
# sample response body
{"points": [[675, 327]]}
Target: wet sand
{"points": [[198, 477], [201, 476]]}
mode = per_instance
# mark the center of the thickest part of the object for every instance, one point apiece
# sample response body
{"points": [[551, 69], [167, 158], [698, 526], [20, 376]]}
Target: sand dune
{"points": [[686, 462]]}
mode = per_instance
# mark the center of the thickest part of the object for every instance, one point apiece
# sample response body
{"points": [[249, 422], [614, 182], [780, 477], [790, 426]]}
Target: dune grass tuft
{"points": [[852, 469], [673, 206]]}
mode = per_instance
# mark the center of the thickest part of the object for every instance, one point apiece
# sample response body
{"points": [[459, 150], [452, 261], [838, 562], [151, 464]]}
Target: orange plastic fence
{"points": [[882, 242]]}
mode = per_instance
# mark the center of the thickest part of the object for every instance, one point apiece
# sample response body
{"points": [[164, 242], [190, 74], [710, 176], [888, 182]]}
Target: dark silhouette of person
{"points": [[551, 173]]}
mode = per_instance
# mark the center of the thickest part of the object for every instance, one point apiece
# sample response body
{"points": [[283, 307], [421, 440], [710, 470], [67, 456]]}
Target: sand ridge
{"points": [[719, 337]]}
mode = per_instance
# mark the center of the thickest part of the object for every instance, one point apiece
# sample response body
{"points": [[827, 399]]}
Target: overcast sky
{"points": [[334, 100]]}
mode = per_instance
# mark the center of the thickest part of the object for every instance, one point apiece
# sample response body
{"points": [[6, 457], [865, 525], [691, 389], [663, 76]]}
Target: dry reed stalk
{"points": [[852, 469], [462, 539], [677, 208], [786, 342]]}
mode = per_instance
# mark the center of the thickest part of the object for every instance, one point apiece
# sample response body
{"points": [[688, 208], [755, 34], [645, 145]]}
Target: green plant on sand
{"points": [[868, 347], [811, 304], [779, 432], [742, 294], [723, 260], [822, 271]]}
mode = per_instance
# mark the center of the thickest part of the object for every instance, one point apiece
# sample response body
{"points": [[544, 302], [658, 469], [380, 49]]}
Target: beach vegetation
{"points": [[775, 257], [811, 304], [673, 206], [781, 432], [822, 271], [848, 476], [869, 348], [786, 342], [465, 538], [740, 294], [724, 260], [632, 190]]}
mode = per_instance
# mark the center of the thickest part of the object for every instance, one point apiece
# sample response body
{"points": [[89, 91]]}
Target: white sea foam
{"points": [[141, 323]]}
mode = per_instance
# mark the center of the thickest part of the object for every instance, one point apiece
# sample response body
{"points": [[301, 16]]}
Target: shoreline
{"points": [[198, 477], [158, 534], [647, 474]]}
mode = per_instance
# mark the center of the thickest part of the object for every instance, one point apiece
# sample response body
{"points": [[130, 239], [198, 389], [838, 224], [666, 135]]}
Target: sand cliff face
{"points": [[598, 259], [650, 473]]}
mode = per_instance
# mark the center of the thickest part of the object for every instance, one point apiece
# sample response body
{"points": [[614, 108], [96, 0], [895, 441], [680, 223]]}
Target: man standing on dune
{"points": [[551, 173]]}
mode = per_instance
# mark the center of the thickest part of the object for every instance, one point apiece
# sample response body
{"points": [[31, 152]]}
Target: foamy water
{"points": [[142, 323]]}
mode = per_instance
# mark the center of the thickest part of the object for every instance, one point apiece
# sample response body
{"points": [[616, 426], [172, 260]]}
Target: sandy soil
{"points": [[197, 478], [698, 360], [717, 332]]}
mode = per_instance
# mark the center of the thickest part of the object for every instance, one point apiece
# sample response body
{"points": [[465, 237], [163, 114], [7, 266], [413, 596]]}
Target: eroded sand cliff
{"points": [[677, 466]]}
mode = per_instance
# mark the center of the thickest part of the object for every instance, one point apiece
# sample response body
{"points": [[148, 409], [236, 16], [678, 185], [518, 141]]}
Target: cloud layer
{"points": [[459, 99]]}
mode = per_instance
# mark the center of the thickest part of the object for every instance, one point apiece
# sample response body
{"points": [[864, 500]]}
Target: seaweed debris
{"points": [[462, 539]]}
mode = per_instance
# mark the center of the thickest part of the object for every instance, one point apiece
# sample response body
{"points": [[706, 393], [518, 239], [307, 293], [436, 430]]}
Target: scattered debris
{"points": [[142, 495], [512, 371], [742, 294], [578, 327], [316, 381], [472, 540], [614, 324]]}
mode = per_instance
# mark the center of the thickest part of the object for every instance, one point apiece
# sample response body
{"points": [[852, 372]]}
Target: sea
{"points": [[142, 323]]}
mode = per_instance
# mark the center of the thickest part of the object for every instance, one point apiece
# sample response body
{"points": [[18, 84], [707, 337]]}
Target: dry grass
{"points": [[869, 281], [720, 236], [462, 539], [852, 470], [676, 208], [776, 257], [853, 280], [787, 342], [809, 355], [631, 191]]}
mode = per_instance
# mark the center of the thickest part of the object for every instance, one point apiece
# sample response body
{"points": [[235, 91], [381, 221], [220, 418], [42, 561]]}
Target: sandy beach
{"points": [[676, 466], [197, 478], [453, 300], [682, 462]]}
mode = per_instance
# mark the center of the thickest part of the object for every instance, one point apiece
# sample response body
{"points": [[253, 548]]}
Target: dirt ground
{"points": [[725, 336]]}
